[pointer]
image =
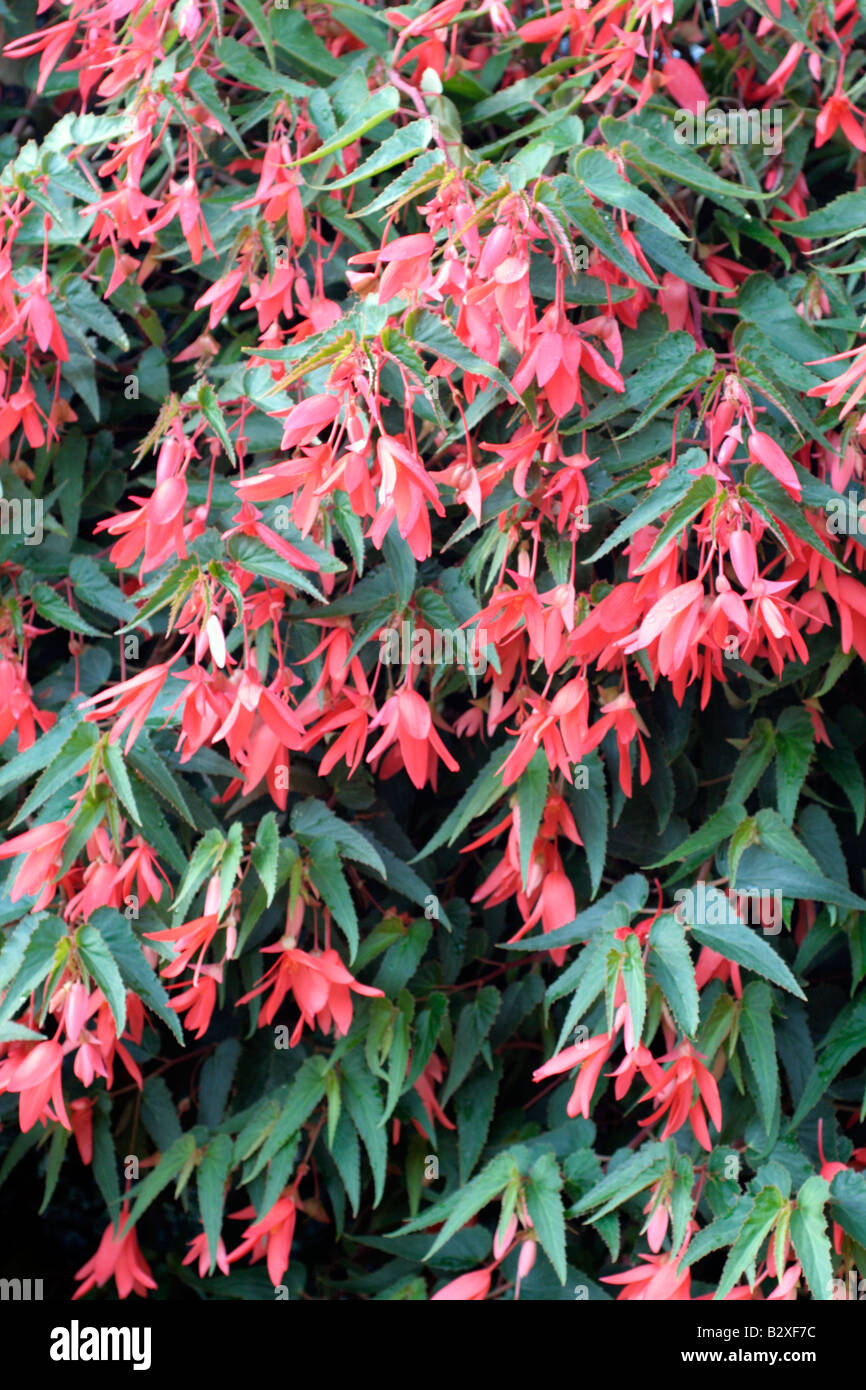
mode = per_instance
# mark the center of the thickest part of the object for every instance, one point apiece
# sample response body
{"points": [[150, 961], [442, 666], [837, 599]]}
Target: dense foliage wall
{"points": [[432, 619]]}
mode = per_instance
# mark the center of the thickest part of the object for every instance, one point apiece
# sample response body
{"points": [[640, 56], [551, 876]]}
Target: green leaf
{"points": [[647, 148], [119, 779], [595, 226], [265, 853], [737, 942], [842, 764], [401, 563], [756, 1030], [638, 1172], [56, 1154], [401, 879], [600, 176], [426, 1030], [474, 1107], [701, 492], [211, 1176], [752, 763], [346, 1153], [14, 947], [257, 558], [783, 874], [820, 837], [232, 855], [454, 1212], [256, 1130], [364, 1104], [634, 979], [763, 302], [759, 483], [258, 19], [473, 1025], [682, 1203], [670, 255], [404, 144], [305, 1093], [424, 172], [171, 589], [210, 409], [327, 877], [531, 800], [669, 492], [152, 767], [17, 1032], [698, 367], [485, 790], [72, 759], [378, 106], [37, 963], [718, 1234], [205, 858], [708, 836], [170, 1164], [91, 312], [810, 1239], [156, 829], [438, 337], [670, 964], [544, 1207], [757, 1226], [844, 214], [848, 1199], [403, 957], [589, 806], [397, 1060], [626, 897], [215, 1081], [120, 940], [92, 587], [202, 85], [845, 1038], [100, 963], [56, 610], [104, 1163], [41, 753]]}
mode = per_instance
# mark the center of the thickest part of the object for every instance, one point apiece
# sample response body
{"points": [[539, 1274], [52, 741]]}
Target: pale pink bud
{"points": [[216, 640], [212, 897], [526, 1258], [657, 1228], [500, 1245], [75, 1012]]}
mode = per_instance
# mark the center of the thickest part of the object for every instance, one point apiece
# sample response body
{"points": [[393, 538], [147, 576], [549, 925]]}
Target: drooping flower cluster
{"points": [[364, 338]]}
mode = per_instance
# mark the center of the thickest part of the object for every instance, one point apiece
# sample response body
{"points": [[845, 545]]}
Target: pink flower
{"points": [[657, 1279], [198, 1250], [43, 846], [408, 720], [408, 264], [34, 1071], [589, 1057], [272, 1235], [120, 1257], [471, 1287]]}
